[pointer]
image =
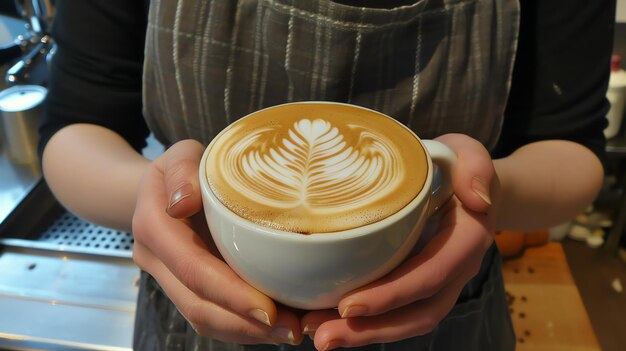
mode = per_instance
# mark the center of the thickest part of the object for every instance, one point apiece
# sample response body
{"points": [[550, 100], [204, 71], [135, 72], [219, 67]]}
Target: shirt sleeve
{"points": [[561, 75], [96, 72]]}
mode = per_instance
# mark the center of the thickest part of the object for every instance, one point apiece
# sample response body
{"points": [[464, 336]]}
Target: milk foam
{"points": [[312, 167], [313, 174]]}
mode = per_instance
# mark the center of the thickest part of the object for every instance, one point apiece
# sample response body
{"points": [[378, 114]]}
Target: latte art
{"points": [[313, 166], [314, 172]]}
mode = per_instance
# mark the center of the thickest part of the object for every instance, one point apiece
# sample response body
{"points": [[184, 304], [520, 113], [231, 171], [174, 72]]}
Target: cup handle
{"points": [[443, 160]]}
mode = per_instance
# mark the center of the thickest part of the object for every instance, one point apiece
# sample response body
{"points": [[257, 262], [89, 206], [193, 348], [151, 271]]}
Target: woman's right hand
{"points": [[173, 244]]}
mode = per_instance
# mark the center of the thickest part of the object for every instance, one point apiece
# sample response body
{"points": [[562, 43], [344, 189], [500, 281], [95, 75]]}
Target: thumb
{"points": [[180, 170], [473, 173]]}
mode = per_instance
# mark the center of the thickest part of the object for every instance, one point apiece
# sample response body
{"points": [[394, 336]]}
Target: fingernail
{"points": [[354, 311], [480, 189], [260, 316], [310, 328], [333, 344], [184, 191], [284, 335]]}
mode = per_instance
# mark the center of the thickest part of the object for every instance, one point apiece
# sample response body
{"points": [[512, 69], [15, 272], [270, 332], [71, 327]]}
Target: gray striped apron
{"points": [[438, 66]]}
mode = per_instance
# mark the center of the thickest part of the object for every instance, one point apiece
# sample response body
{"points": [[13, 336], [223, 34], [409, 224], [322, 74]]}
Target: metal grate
{"points": [[73, 234]]}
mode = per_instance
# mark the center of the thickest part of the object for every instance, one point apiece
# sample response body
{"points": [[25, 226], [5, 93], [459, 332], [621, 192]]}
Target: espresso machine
{"points": [[33, 47], [65, 283], [26, 62]]}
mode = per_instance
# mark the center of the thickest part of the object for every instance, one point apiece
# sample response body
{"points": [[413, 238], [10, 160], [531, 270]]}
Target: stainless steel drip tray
{"points": [[65, 284], [71, 301], [69, 233]]}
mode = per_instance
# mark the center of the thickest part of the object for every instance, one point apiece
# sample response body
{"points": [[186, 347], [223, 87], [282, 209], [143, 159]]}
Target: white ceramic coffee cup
{"points": [[313, 271]]}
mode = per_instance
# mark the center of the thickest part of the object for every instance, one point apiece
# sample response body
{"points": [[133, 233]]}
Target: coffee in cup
{"points": [[316, 168], [308, 201]]}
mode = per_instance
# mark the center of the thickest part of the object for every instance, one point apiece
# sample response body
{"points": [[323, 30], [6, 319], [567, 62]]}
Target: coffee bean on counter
{"points": [[523, 298], [526, 332], [520, 340], [531, 270], [510, 298], [522, 315]]}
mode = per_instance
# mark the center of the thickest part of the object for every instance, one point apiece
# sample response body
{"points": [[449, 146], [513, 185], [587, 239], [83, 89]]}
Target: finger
{"points": [[416, 319], [473, 173], [312, 320], [455, 252], [180, 168], [210, 319], [189, 258]]}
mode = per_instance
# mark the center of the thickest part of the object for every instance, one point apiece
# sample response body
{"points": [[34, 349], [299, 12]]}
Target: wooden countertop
{"points": [[546, 307]]}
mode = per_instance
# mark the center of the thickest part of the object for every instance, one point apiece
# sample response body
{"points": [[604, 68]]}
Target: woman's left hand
{"points": [[417, 295]]}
